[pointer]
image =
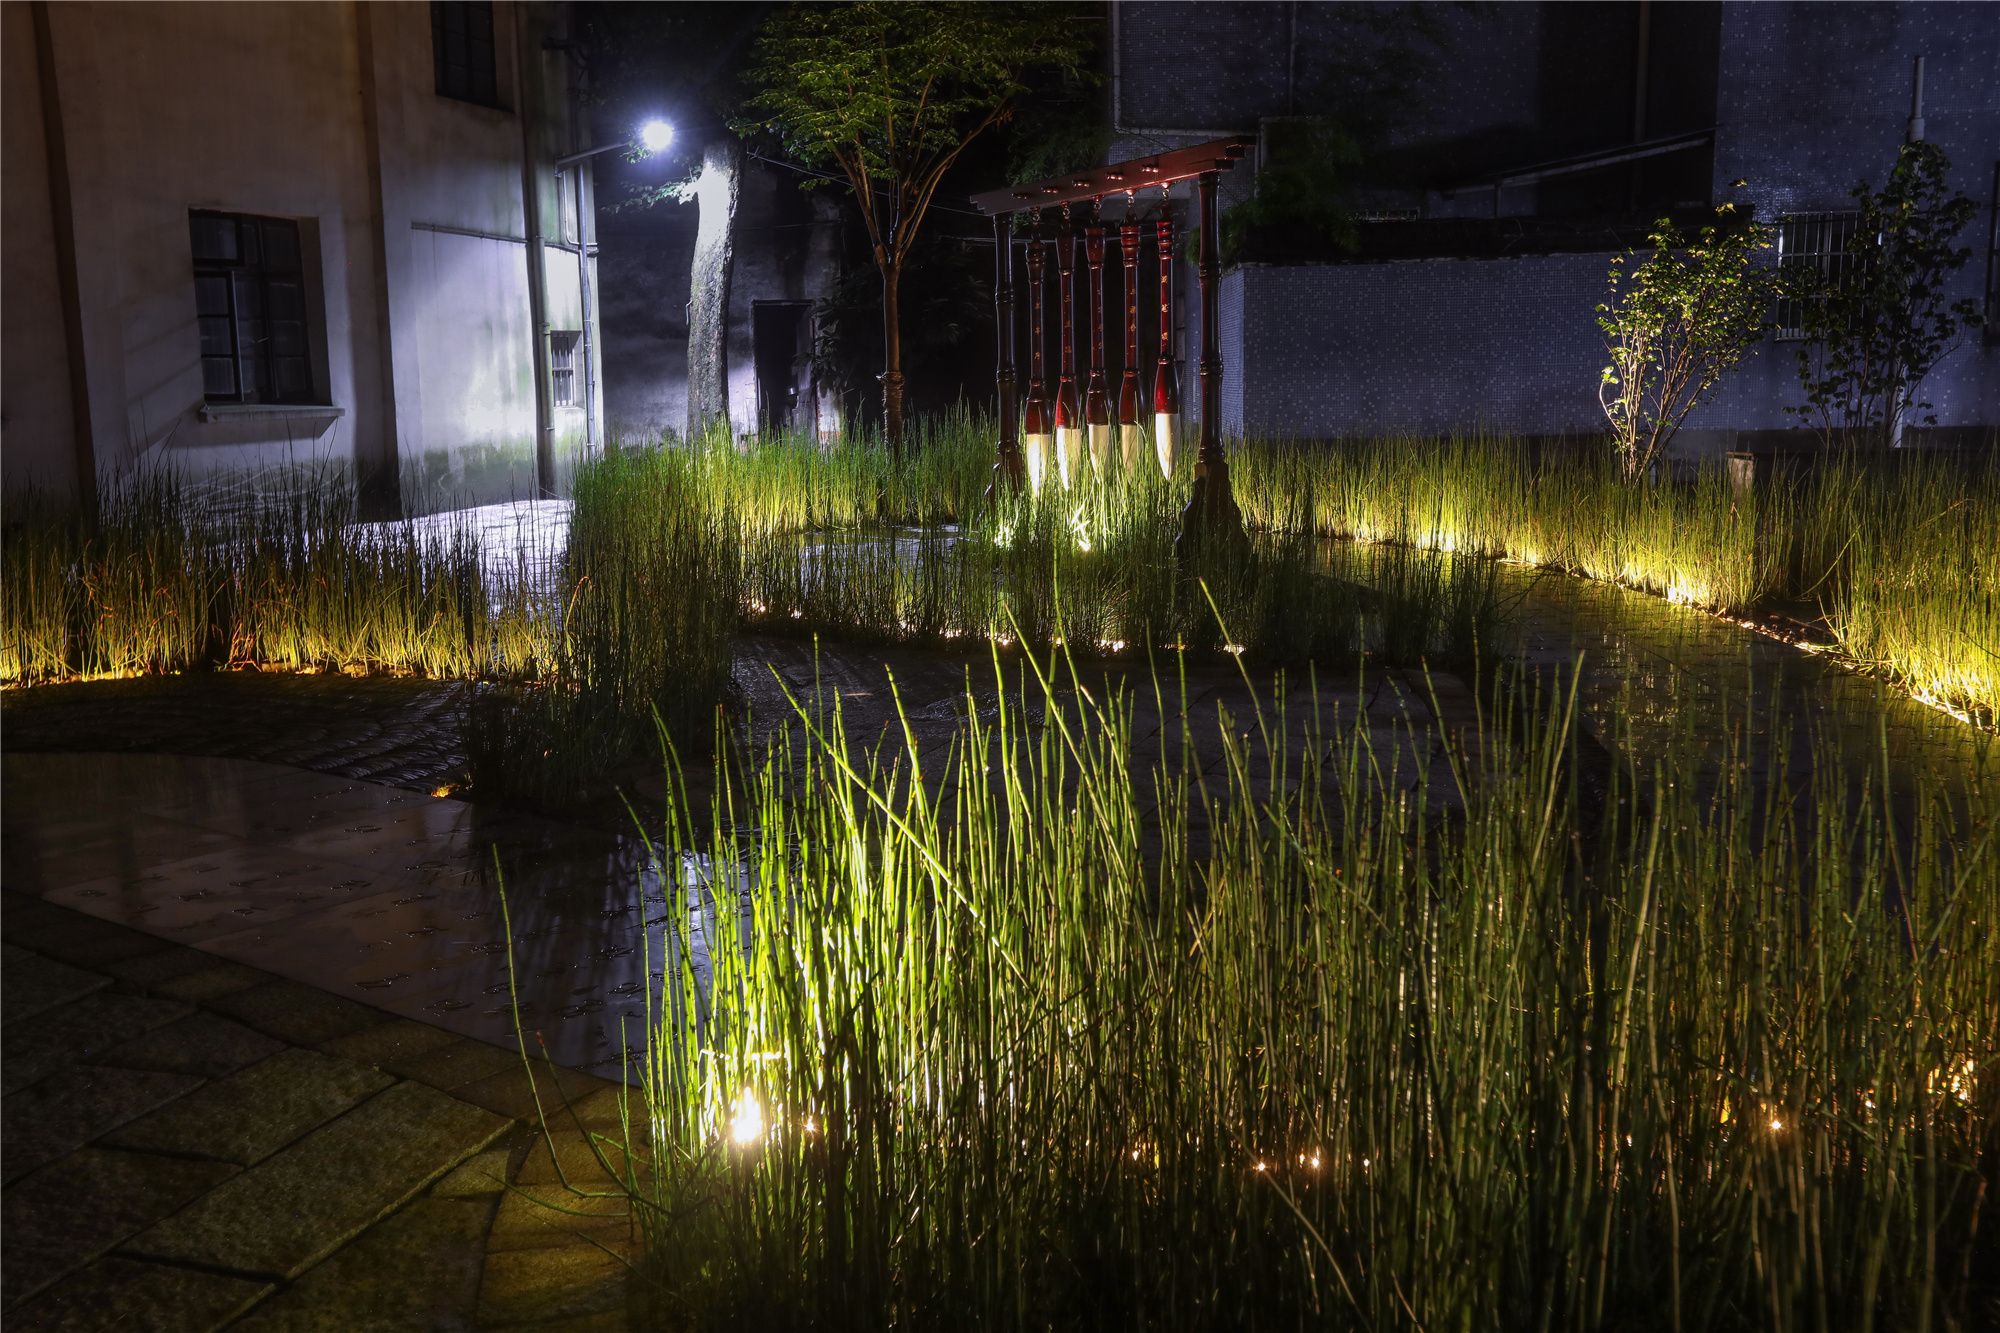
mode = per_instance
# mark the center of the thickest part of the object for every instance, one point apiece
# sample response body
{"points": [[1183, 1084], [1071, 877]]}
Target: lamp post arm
{"points": [[563, 164]]}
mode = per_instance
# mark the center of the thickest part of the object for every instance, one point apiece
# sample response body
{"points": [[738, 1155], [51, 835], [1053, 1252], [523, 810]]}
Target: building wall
{"points": [[36, 425], [1367, 349], [1815, 97], [646, 265], [411, 221], [1807, 98]]}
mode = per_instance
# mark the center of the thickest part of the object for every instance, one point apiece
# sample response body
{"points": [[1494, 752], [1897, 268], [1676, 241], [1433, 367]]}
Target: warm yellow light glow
{"points": [[1777, 1124], [1035, 449], [1069, 455], [1082, 529], [747, 1125], [1100, 445], [442, 791], [1131, 444], [1166, 426]]}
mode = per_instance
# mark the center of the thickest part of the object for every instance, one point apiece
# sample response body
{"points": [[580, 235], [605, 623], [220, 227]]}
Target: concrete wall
{"points": [[645, 266], [1430, 346], [411, 220]]}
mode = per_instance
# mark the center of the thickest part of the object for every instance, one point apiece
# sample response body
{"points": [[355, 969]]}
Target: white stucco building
{"points": [[249, 236]]}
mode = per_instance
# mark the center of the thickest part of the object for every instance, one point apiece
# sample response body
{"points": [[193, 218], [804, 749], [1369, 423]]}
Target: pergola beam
{"points": [[1097, 182]]}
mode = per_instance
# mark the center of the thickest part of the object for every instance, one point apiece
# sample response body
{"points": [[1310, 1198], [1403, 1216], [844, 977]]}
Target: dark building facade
{"points": [[1508, 155]]}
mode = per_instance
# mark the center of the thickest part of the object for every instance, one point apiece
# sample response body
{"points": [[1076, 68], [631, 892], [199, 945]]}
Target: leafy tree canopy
{"points": [[1675, 323], [891, 94], [1879, 320]]}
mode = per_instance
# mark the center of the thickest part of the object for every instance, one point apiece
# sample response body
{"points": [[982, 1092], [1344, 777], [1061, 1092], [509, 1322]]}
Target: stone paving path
{"points": [[192, 1144]]}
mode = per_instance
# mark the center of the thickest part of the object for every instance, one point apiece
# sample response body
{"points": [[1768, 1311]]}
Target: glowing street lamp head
{"points": [[656, 135]]}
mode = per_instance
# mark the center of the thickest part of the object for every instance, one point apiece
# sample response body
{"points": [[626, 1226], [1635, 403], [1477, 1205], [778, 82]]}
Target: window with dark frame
{"points": [[1812, 240], [462, 51], [250, 304], [562, 366]]}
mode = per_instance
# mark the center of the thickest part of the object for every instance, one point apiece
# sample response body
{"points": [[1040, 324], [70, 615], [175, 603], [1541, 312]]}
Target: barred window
{"points": [[462, 51], [1818, 241], [562, 366], [250, 305]]}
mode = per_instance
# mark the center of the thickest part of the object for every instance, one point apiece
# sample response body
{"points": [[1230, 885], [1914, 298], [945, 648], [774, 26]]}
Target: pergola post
{"points": [[1211, 506], [1009, 467]]}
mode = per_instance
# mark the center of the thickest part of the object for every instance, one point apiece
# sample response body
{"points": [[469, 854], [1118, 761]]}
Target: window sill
{"points": [[270, 412]]}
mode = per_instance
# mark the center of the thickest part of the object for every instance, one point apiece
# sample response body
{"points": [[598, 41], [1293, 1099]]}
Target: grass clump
{"points": [[651, 580], [163, 580], [1390, 1049], [1900, 553]]}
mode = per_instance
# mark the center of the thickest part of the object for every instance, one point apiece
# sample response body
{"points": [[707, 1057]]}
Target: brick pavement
{"points": [[191, 1145]]}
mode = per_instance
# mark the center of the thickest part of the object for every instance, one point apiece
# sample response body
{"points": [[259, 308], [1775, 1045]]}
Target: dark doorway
{"points": [[781, 334]]}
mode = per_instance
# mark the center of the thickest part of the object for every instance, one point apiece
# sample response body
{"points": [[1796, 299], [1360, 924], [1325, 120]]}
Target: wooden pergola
{"points": [[1070, 423]]}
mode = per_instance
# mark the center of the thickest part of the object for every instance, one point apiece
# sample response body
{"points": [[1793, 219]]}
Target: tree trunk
{"points": [[892, 357], [708, 312]]}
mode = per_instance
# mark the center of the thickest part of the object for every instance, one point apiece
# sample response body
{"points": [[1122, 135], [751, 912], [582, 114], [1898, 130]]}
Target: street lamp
{"points": [[654, 136]]}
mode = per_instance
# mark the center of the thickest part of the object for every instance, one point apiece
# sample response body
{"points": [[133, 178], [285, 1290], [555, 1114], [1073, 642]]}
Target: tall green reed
{"points": [[161, 579], [1004, 1049], [650, 585], [1898, 550]]}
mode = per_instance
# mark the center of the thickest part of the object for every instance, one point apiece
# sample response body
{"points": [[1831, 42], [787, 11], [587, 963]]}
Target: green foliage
{"points": [[1298, 189], [646, 636], [168, 579], [1675, 324], [894, 91], [1090, 1028], [1877, 324], [891, 92]]}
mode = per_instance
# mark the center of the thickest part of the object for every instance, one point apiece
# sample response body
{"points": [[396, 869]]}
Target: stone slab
{"points": [[608, 1321], [464, 1061], [509, 1093], [202, 1044], [526, 1286], [415, 1269], [76, 1031], [254, 1112], [571, 1157], [539, 1216], [213, 982], [395, 1041], [283, 1215], [108, 944], [73, 1106], [301, 1015], [36, 985], [124, 1295], [150, 971], [482, 1175], [79, 1206]]}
